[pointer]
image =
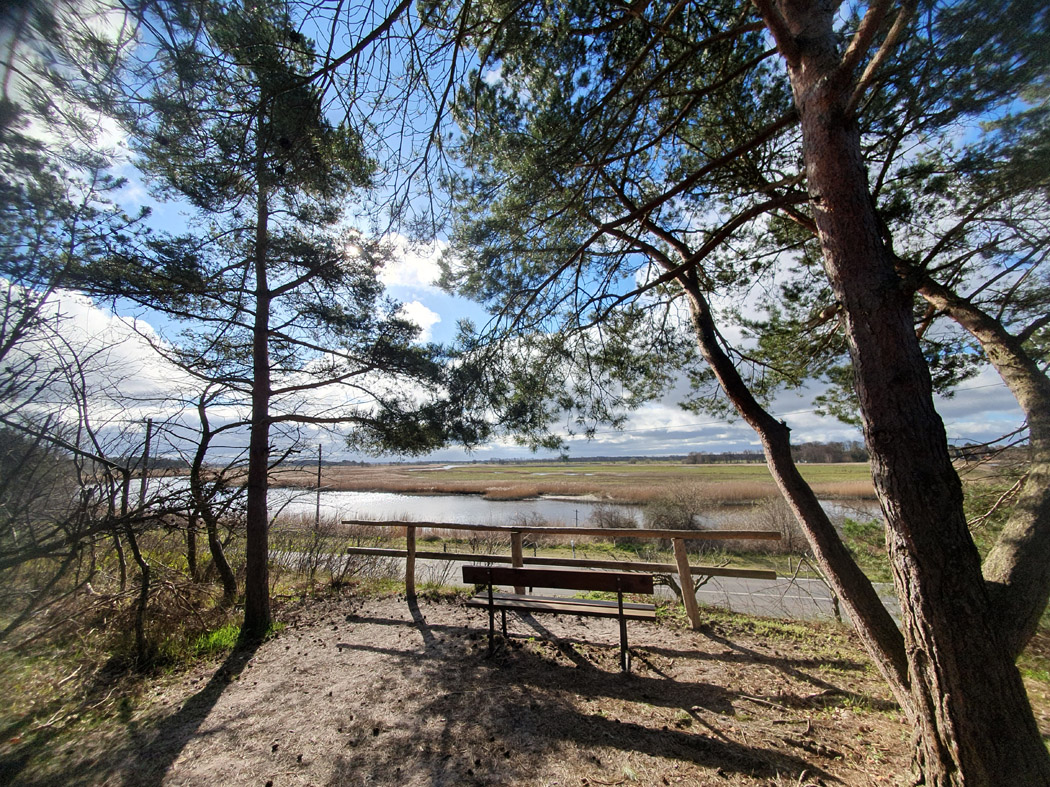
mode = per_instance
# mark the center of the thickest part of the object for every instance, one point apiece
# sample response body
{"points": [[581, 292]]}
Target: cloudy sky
{"points": [[981, 410], [126, 363]]}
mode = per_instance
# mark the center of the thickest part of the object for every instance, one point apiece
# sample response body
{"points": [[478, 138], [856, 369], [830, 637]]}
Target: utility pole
{"points": [[317, 513]]}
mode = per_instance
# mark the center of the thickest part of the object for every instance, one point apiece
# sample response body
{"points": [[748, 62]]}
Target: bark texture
{"points": [[973, 724]]}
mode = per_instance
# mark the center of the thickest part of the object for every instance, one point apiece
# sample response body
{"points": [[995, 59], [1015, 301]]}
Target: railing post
{"points": [[685, 580], [516, 558], [410, 561]]}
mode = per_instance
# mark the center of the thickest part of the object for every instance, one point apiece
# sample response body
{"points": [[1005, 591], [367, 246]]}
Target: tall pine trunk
{"points": [[964, 697], [257, 616]]}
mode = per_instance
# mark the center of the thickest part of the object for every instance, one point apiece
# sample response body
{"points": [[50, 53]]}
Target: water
{"points": [[474, 509], [456, 509]]}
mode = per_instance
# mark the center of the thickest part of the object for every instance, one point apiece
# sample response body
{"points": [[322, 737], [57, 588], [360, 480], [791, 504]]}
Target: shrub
{"points": [[613, 518], [865, 538]]}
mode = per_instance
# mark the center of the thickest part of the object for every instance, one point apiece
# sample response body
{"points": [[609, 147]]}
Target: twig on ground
{"points": [[69, 677], [765, 702]]}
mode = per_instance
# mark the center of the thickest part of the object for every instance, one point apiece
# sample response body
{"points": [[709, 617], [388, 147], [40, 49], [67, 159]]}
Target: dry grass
{"points": [[863, 489], [615, 482], [516, 492]]}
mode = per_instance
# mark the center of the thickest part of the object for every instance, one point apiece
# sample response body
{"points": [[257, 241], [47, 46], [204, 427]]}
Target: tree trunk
{"points": [[965, 699], [257, 616], [871, 620], [1017, 570], [191, 548], [204, 507], [222, 565], [122, 562], [142, 653]]}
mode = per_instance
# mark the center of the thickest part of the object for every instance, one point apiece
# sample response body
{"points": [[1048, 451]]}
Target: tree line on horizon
{"points": [[807, 453]]}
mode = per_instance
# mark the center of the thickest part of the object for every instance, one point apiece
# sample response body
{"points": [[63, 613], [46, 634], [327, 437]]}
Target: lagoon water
{"points": [[474, 509], [457, 509]]}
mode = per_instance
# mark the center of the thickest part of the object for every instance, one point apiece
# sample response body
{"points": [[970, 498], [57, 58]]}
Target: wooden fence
{"points": [[681, 566]]}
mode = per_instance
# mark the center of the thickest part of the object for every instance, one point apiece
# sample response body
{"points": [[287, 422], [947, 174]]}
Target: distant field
{"points": [[613, 481]]}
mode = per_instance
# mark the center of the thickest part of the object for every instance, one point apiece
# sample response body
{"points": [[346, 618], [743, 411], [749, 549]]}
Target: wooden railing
{"points": [[681, 566]]}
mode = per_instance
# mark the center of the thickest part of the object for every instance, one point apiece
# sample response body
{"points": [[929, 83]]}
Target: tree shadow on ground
{"points": [[495, 727], [150, 749], [490, 720]]}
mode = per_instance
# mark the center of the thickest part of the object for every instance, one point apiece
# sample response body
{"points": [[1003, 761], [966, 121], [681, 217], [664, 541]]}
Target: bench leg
{"points": [[503, 621], [625, 655], [492, 624]]}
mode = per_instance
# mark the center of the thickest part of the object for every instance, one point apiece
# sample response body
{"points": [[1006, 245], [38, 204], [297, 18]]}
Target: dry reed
{"points": [[864, 490]]}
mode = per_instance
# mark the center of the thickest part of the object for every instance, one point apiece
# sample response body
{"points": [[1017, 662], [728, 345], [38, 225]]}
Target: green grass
{"points": [[221, 640]]}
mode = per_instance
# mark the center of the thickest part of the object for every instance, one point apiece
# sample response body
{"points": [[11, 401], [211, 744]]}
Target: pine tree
{"points": [[281, 302]]}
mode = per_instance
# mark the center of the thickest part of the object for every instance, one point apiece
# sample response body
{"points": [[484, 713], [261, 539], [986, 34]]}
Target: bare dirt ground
{"points": [[380, 692]]}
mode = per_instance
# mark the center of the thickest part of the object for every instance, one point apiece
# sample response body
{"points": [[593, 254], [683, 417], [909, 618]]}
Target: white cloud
{"points": [[83, 355], [117, 350], [108, 24], [412, 265], [425, 318], [493, 76], [982, 409]]}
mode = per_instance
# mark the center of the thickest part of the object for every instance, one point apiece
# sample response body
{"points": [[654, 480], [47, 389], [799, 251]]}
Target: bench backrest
{"points": [[609, 581]]}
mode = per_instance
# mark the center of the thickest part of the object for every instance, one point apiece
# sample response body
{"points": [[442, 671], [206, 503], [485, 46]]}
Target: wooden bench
{"points": [[617, 582]]}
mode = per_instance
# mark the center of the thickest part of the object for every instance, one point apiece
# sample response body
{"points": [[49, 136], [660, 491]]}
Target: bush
{"points": [[776, 515], [864, 538], [680, 510], [613, 518]]}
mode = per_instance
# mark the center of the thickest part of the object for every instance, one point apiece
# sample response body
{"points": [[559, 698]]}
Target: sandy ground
{"points": [[381, 692]]}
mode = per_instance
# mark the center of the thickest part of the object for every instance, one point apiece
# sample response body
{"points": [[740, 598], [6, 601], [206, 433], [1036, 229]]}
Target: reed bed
{"points": [[613, 482], [861, 489], [515, 492]]}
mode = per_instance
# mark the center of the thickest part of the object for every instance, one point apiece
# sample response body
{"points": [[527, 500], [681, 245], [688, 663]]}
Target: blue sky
{"points": [[982, 410]]}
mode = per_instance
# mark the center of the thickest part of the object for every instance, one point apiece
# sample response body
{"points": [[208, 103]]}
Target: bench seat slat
{"points": [[566, 606]]}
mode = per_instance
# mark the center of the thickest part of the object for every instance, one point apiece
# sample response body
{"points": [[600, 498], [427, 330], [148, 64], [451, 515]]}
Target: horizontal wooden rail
{"points": [[678, 538], [691, 535], [618, 565]]}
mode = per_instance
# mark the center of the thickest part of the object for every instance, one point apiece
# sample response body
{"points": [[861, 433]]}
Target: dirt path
{"points": [[376, 692]]}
